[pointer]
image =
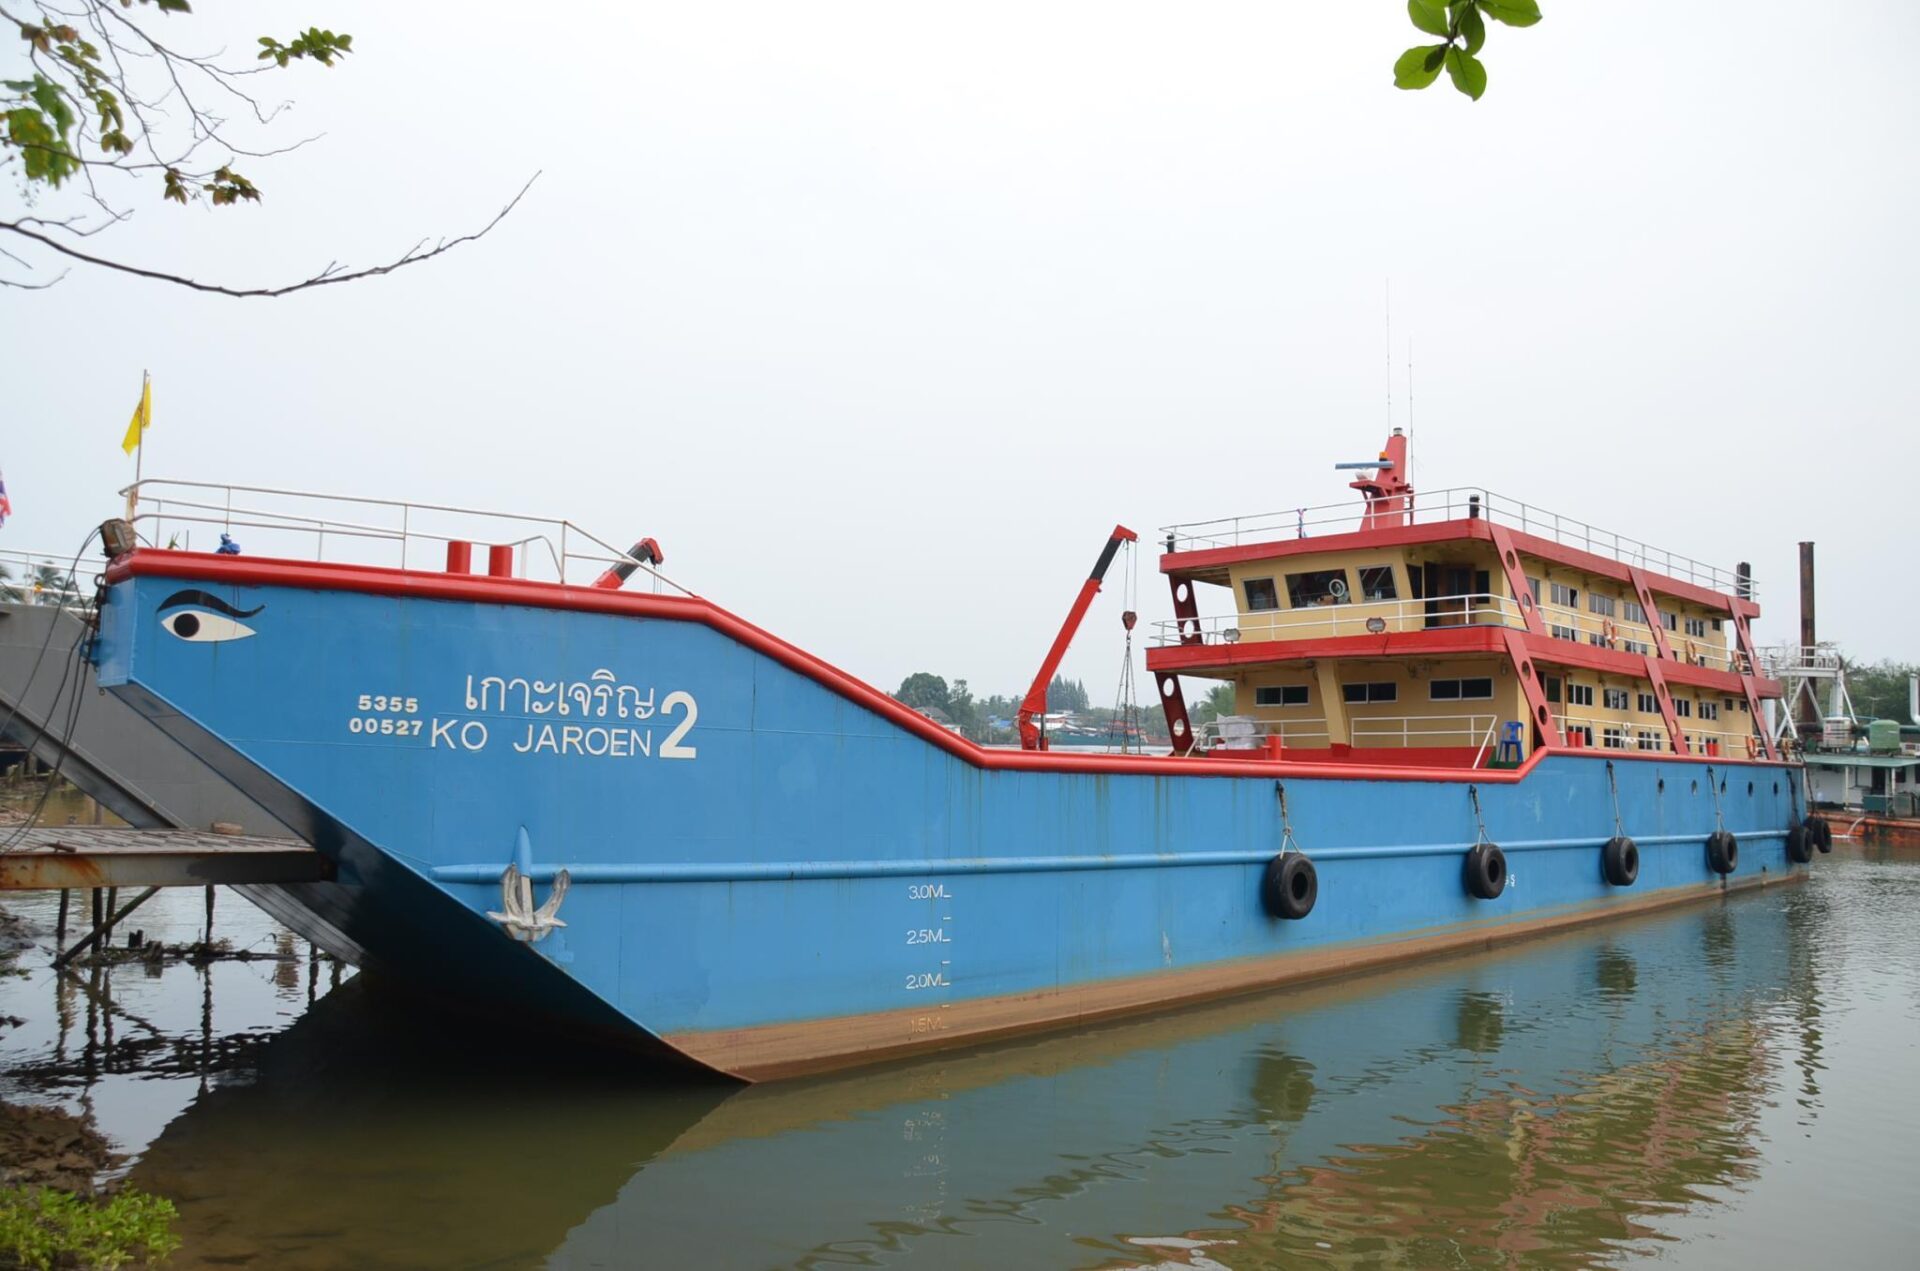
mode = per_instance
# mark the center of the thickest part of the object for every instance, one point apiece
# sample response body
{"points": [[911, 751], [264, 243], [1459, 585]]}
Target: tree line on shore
{"points": [[991, 720]]}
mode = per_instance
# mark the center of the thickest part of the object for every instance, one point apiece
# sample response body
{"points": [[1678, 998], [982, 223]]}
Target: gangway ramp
{"points": [[51, 858]]}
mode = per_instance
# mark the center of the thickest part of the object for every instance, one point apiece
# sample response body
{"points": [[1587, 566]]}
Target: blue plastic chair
{"points": [[1510, 742]]}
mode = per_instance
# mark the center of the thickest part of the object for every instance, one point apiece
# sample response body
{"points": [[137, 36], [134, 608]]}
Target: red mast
{"points": [[1389, 492], [1035, 702]]}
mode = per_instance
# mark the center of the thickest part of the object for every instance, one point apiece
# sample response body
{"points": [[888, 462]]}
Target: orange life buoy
{"points": [[1608, 632], [1753, 747]]}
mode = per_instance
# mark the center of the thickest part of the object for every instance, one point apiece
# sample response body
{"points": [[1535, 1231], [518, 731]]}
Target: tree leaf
{"points": [[1512, 12], [1429, 15], [1419, 66], [1473, 29], [1468, 75]]}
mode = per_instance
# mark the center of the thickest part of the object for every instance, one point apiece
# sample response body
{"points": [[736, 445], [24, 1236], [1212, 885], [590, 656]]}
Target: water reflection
{"points": [[1581, 1101]]}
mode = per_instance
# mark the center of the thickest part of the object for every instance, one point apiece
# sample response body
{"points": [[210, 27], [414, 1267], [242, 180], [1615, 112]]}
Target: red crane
{"points": [[1035, 702]]}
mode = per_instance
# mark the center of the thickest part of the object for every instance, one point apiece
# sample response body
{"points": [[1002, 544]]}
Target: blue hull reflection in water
{"points": [[1572, 1102]]}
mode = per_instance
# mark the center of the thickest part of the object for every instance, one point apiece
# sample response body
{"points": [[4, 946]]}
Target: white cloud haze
{"points": [[879, 316]]}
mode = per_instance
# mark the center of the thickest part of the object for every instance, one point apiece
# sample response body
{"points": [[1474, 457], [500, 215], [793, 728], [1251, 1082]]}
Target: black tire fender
{"points": [[1723, 852], [1486, 871], [1820, 832], [1289, 886], [1799, 845], [1620, 861]]}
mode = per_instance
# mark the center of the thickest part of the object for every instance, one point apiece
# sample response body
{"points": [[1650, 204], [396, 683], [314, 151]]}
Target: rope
{"points": [[1719, 822], [1473, 793], [1614, 786], [1287, 842], [1125, 725]]}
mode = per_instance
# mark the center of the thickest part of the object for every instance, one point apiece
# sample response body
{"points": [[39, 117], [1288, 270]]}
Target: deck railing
{"points": [[1463, 503], [309, 525], [1368, 617], [1419, 730], [1730, 743]]}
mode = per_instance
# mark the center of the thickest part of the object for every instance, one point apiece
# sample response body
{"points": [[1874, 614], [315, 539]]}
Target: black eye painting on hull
{"points": [[204, 618]]}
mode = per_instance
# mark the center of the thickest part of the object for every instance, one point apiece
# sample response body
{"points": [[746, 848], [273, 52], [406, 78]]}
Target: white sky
{"points": [[879, 316]]}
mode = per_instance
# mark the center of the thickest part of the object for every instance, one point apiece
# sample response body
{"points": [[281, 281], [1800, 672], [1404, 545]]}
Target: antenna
{"points": [[1389, 354], [1409, 404]]}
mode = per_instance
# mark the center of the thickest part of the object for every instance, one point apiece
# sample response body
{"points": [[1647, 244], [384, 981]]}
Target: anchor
{"points": [[520, 918]]}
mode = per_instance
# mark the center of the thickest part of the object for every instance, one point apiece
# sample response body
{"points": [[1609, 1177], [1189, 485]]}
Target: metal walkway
{"points": [[90, 856]]}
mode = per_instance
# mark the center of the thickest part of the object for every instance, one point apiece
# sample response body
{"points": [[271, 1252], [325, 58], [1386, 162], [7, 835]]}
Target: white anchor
{"points": [[521, 919]]}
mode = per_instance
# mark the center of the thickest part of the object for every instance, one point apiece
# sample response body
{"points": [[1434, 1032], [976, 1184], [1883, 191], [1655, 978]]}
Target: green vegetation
{"points": [[975, 716], [1462, 27], [42, 1228], [1879, 690]]}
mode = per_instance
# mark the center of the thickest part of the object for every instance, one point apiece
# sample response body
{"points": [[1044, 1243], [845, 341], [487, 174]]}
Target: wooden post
{"points": [[106, 936], [208, 938], [60, 927]]}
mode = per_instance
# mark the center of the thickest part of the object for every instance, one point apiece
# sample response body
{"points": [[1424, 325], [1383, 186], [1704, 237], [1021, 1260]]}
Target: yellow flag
{"points": [[142, 416]]}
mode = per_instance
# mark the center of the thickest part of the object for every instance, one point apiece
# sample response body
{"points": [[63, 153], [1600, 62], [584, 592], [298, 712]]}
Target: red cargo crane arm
{"points": [[1035, 702]]}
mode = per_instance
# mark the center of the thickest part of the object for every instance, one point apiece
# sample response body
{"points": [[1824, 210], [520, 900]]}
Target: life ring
{"points": [[1486, 871], [1820, 832], [1693, 654], [1289, 886], [1620, 861], [1799, 845], [1753, 746], [1609, 633], [1723, 852]]}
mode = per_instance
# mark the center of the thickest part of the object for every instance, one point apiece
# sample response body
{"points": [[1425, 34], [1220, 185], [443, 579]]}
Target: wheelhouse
{"points": [[1455, 629]]}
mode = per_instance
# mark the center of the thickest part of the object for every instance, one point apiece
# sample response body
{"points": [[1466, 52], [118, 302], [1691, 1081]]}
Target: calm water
{"points": [[1736, 1084]]}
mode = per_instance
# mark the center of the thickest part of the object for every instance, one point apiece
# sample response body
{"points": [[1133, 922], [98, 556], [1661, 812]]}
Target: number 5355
{"points": [[404, 705]]}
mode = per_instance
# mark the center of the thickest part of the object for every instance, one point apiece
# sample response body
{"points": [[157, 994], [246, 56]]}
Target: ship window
{"points": [[1552, 683], [1584, 732], [1632, 612], [1697, 627], [1317, 587], [1565, 596], [1280, 695], [1647, 740], [1563, 633], [1709, 710], [1533, 585], [1636, 646], [1683, 707], [1579, 694], [1717, 626], [1359, 694], [1376, 583], [1479, 688], [1670, 621], [1647, 704], [1614, 699], [1614, 738], [1602, 605], [1261, 594]]}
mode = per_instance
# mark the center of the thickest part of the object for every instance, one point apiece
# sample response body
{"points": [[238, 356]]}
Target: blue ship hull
{"points": [[770, 869]]}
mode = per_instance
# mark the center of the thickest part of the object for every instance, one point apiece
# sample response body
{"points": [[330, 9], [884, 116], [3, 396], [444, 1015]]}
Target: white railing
{"points": [[1371, 617], [1710, 650], [1731, 743], [1815, 660], [1419, 730], [34, 578], [1450, 505], [304, 524]]}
